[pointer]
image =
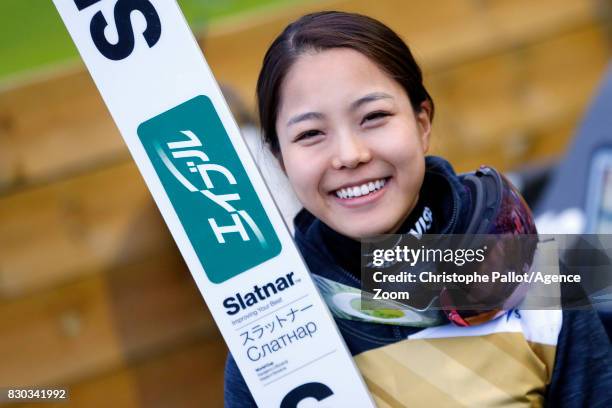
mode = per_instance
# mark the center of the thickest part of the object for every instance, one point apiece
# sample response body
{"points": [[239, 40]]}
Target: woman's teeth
{"points": [[363, 189]]}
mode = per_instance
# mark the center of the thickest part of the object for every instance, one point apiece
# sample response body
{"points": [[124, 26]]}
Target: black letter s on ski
{"points": [[125, 45]]}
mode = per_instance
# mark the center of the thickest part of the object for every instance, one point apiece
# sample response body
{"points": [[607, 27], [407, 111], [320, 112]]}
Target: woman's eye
{"points": [[374, 116], [307, 134]]}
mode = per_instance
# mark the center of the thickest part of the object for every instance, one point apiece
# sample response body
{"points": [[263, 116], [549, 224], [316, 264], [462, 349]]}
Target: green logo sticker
{"points": [[209, 189]]}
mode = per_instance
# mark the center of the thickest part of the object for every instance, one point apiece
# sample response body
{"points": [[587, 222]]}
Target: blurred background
{"points": [[93, 293]]}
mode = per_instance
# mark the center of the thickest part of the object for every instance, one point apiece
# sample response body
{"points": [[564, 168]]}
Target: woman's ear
{"points": [[423, 118]]}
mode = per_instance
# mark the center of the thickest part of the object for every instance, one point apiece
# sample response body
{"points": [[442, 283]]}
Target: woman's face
{"points": [[351, 144]]}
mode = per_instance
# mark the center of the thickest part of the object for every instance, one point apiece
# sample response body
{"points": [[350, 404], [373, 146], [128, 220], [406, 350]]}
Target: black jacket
{"points": [[582, 370]]}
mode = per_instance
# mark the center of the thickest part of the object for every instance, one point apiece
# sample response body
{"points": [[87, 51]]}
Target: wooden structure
{"points": [[93, 294]]}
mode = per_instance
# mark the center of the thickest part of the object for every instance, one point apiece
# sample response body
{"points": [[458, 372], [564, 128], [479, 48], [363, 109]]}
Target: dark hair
{"points": [[334, 29]]}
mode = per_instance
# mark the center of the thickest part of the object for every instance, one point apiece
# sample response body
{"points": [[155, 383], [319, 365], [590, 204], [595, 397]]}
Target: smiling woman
{"points": [[343, 108], [363, 132], [365, 141]]}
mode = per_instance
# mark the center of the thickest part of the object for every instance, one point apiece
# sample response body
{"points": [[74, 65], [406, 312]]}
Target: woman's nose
{"points": [[350, 151]]}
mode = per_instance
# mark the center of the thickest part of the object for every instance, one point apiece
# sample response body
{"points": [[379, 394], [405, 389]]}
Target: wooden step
{"points": [[100, 323], [82, 225], [191, 376], [516, 99]]}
